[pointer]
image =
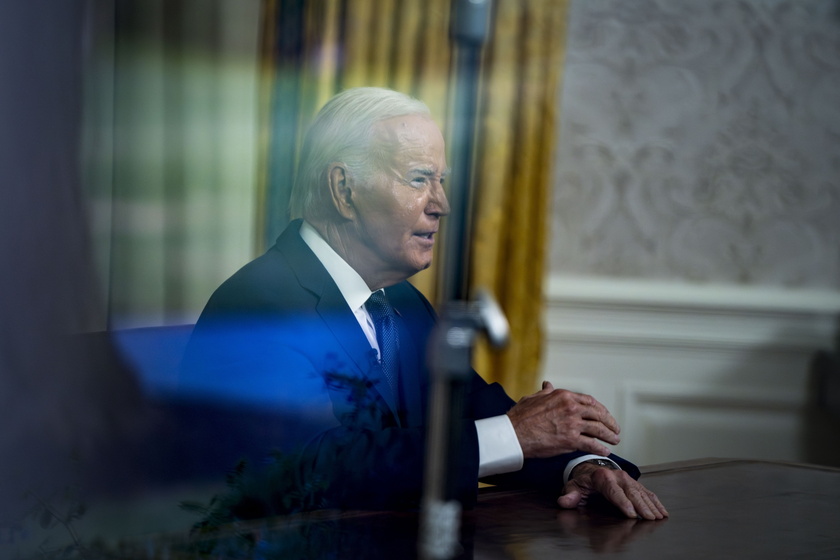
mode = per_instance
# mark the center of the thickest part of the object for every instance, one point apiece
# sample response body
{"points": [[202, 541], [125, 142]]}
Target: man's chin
{"points": [[417, 268]]}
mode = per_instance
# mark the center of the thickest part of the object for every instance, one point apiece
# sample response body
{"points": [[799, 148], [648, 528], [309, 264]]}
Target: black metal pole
{"points": [[451, 344], [470, 20]]}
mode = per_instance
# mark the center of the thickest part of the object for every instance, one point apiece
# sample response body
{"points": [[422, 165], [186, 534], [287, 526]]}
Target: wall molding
{"points": [[692, 370], [630, 312]]}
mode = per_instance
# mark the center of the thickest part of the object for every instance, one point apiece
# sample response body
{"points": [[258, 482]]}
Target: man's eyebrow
{"points": [[429, 172]]}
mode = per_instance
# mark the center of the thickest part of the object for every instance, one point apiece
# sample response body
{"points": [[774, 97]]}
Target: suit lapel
{"points": [[332, 308]]}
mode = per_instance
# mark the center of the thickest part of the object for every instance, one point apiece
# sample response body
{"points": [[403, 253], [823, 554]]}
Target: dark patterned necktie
{"points": [[384, 321]]}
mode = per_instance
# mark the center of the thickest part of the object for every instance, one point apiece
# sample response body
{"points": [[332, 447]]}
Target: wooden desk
{"points": [[719, 509]]}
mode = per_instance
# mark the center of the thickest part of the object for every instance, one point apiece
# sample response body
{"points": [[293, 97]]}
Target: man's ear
{"points": [[341, 190]]}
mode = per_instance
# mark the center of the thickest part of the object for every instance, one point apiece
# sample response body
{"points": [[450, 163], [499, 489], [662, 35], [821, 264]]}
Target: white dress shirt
{"points": [[498, 447]]}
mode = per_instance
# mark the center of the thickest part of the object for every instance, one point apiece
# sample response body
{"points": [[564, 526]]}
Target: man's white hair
{"points": [[342, 132]]}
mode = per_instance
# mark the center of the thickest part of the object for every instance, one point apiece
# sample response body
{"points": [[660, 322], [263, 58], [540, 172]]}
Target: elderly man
{"points": [[326, 318]]}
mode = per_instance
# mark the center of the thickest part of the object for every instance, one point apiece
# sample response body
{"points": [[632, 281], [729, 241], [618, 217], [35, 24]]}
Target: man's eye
{"points": [[418, 181]]}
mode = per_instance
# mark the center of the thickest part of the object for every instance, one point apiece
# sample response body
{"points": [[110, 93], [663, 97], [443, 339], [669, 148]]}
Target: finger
{"points": [[597, 430], [657, 504], [571, 497], [643, 505], [594, 410], [617, 496], [652, 502], [643, 501], [547, 386], [586, 443], [624, 504]]}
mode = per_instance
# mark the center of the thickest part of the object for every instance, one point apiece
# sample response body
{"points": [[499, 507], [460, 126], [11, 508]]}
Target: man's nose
{"points": [[438, 204]]}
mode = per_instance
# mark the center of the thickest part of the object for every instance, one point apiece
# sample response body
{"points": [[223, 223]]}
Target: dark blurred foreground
{"points": [[79, 423]]}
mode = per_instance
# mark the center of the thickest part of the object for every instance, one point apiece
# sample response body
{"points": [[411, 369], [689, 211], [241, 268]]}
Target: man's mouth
{"points": [[428, 235]]}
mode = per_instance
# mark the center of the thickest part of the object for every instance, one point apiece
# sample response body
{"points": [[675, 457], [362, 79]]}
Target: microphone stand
{"points": [[450, 357], [452, 341]]}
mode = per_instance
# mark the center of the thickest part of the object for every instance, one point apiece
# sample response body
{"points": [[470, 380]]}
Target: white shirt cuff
{"points": [[498, 447], [567, 472]]}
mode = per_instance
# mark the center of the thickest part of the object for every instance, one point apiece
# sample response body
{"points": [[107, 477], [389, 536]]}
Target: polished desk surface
{"points": [[719, 509]]}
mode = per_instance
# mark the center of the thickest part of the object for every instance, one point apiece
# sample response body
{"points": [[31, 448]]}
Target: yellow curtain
{"points": [[405, 45], [521, 78]]}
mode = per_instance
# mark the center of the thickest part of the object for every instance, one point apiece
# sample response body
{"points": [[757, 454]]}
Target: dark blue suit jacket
{"points": [[278, 334]]}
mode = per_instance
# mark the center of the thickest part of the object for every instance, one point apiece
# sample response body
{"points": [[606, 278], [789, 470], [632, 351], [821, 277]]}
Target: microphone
{"points": [[470, 21]]}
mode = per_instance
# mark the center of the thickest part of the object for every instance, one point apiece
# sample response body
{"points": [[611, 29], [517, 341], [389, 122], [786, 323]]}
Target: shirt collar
{"points": [[354, 289]]}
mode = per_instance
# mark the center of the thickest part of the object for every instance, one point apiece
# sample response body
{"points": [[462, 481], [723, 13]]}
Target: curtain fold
{"points": [[522, 70], [405, 45]]}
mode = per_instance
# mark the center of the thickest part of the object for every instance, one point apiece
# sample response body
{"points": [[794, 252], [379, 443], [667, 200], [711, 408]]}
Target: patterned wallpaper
{"points": [[700, 141]]}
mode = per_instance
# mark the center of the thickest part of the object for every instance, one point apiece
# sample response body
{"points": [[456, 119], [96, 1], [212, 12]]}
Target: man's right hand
{"points": [[555, 421]]}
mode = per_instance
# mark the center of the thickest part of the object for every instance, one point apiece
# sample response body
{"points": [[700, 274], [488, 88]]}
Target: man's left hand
{"points": [[618, 487]]}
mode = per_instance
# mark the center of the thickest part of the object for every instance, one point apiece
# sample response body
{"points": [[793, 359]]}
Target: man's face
{"points": [[398, 213]]}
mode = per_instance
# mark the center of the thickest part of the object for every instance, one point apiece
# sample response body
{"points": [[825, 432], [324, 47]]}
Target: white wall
{"points": [[695, 267], [712, 371]]}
